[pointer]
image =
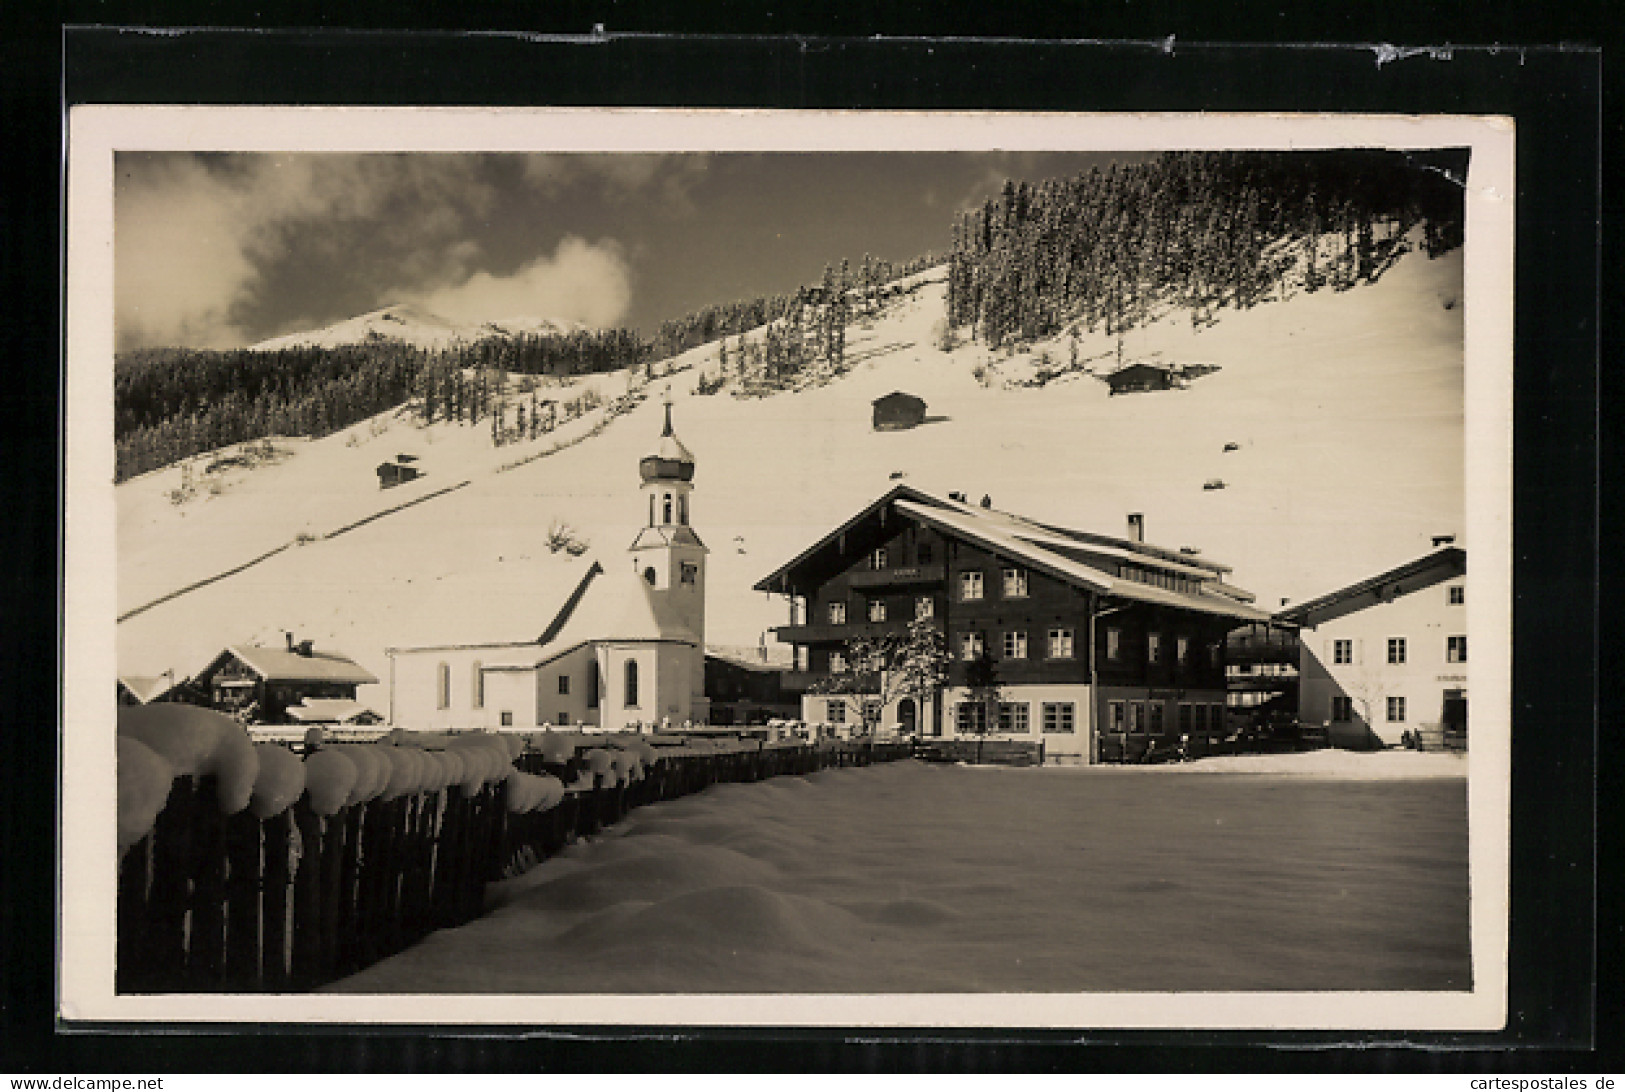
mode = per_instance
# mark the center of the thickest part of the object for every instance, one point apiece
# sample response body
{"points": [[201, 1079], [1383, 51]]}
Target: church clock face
{"points": [[690, 572]]}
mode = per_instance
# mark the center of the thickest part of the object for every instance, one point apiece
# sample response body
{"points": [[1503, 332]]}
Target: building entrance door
{"points": [[907, 716]]}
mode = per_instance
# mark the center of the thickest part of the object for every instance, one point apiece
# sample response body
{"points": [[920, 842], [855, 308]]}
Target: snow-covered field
{"points": [[1346, 409], [909, 877]]}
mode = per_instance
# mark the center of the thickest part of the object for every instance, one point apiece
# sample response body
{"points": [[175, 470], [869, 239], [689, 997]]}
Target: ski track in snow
{"points": [[1346, 406], [909, 878]]}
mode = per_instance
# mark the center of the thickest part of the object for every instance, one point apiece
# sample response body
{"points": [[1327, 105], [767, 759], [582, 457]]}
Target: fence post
{"points": [[307, 897], [274, 932], [242, 963]]}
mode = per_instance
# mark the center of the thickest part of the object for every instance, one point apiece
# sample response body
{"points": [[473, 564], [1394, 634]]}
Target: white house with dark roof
{"points": [[600, 646], [1099, 646], [1386, 657]]}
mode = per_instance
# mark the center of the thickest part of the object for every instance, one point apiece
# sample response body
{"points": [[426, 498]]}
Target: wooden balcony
{"points": [[902, 576]]}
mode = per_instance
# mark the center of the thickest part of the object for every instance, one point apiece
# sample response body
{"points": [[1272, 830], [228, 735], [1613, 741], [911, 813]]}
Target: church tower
{"points": [[667, 553]]}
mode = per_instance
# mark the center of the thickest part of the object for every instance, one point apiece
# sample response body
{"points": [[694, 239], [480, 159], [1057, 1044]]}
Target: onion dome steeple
{"points": [[670, 461]]}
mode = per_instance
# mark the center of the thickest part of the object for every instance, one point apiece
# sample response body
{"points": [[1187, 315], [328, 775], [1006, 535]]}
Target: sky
{"points": [[216, 250]]}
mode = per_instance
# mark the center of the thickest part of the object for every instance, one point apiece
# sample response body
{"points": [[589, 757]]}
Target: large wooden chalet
{"points": [[261, 684], [1099, 645]]}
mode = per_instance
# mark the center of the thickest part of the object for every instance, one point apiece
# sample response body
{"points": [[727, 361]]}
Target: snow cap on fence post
{"points": [[280, 782], [144, 780], [330, 775]]}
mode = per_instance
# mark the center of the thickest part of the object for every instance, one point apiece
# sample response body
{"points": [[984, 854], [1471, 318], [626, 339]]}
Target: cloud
{"points": [[584, 282], [197, 238]]}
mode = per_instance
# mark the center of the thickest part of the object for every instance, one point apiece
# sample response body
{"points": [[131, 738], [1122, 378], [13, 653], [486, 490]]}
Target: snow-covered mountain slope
{"points": [[1345, 409], [415, 326]]}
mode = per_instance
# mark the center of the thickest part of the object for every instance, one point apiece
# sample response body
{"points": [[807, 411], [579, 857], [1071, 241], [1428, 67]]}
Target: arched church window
{"points": [[650, 575], [443, 686], [667, 509], [651, 509], [631, 684], [682, 509], [477, 686]]}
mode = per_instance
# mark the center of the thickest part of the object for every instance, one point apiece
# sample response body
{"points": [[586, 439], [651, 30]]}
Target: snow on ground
{"points": [[907, 877], [1329, 763], [1346, 406]]}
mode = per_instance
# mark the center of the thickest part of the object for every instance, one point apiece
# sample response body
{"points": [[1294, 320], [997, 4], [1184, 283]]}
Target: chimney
{"points": [[304, 648], [987, 501], [1136, 526], [1442, 540]]}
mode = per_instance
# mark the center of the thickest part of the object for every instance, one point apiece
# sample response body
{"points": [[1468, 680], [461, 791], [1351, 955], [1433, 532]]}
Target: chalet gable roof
{"points": [[1413, 576], [1069, 556], [282, 665]]}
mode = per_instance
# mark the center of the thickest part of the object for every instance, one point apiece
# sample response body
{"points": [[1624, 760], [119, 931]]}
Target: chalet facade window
{"points": [[970, 586], [837, 663], [1396, 650], [1218, 716], [803, 658], [1059, 718], [922, 554], [877, 610], [970, 646], [1396, 710], [1199, 718], [476, 688], [507, 718], [1342, 707], [837, 613], [925, 607], [690, 573], [564, 684], [1013, 717], [835, 711], [1455, 649], [1015, 583], [1457, 595], [442, 687], [1343, 651], [970, 718], [1116, 721], [877, 560], [1214, 651], [1060, 644], [1186, 718], [1182, 650], [1015, 645], [1114, 643], [631, 673], [1153, 647], [1156, 711], [1136, 717]]}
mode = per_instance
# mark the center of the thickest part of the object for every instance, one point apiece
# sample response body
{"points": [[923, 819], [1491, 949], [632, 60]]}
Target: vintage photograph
{"points": [[673, 568]]}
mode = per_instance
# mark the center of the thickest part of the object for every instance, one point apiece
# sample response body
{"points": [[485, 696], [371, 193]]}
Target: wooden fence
{"points": [[215, 903]]}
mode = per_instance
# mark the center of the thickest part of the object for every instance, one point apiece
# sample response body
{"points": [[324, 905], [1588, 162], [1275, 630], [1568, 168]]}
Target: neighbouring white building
{"points": [[1387, 656], [604, 647]]}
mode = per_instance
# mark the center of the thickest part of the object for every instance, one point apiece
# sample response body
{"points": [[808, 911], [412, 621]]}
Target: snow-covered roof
{"points": [[1424, 572], [613, 605], [328, 711], [525, 607], [282, 665], [1056, 551], [145, 688]]}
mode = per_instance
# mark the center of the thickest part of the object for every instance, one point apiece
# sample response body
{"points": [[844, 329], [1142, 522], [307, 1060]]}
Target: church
{"points": [[608, 646]]}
